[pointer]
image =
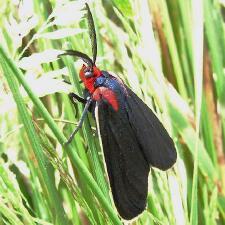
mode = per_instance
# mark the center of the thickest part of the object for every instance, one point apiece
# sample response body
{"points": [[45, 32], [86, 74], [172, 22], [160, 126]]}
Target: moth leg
{"points": [[79, 125], [73, 97]]}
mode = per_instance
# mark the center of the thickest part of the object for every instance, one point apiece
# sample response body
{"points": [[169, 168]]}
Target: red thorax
{"points": [[100, 92], [89, 82]]}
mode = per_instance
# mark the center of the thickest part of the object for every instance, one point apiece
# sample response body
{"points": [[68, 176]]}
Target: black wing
{"points": [[126, 165], [156, 144], [133, 139]]}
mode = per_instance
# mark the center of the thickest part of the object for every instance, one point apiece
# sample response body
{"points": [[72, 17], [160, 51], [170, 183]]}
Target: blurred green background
{"points": [[170, 52]]}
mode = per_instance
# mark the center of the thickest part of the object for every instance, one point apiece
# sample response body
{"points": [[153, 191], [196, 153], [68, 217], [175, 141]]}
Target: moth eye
{"points": [[88, 74]]}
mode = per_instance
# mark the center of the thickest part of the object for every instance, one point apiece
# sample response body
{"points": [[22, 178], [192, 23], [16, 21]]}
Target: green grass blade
{"points": [[53, 196], [98, 170], [197, 41], [61, 138]]}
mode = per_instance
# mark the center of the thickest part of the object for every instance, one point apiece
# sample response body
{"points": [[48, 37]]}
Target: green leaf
{"points": [[124, 6], [61, 33]]}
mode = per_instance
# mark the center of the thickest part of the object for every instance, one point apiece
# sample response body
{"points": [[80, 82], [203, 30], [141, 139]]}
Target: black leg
{"points": [[79, 125], [73, 97]]}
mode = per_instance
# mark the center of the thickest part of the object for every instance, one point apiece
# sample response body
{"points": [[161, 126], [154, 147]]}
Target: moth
{"points": [[133, 138]]}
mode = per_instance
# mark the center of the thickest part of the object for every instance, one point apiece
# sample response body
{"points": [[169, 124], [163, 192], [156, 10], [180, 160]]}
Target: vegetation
{"points": [[171, 53]]}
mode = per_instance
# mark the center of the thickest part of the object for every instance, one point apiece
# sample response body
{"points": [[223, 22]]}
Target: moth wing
{"points": [[126, 165], [155, 141]]}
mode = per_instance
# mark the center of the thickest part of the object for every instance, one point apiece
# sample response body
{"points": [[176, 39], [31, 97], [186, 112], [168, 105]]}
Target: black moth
{"points": [[132, 137]]}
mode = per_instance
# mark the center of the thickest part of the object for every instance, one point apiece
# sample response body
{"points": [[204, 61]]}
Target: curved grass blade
{"points": [[62, 139], [49, 187]]}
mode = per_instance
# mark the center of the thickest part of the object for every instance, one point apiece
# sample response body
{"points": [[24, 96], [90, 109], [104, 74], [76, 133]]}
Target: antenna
{"points": [[92, 33], [82, 55]]}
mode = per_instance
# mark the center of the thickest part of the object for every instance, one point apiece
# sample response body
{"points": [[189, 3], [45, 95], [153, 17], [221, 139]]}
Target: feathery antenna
{"points": [[92, 33], [81, 55]]}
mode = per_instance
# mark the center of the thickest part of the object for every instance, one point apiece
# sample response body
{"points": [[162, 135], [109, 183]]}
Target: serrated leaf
{"points": [[18, 30], [56, 73], [46, 85], [62, 7], [69, 13], [61, 33], [37, 59]]}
